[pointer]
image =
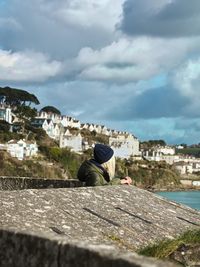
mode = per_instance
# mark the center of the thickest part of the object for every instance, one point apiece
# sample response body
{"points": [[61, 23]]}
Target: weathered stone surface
{"points": [[26, 250], [20, 183], [189, 255], [125, 216], [49, 227]]}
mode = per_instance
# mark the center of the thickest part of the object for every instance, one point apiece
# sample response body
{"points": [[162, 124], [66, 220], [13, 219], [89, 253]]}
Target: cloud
{"points": [[135, 59], [103, 61], [59, 28], [186, 80], [9, 23], [85, 14], [27, 66], [166, 18]]}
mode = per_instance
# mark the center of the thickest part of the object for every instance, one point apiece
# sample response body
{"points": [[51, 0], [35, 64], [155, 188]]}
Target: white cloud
{"points": [[135, 59], [186, 80], [85, 13], [10, 23], [27, 67]]}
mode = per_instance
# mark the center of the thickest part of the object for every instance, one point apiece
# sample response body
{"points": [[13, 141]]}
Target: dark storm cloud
{"points": [[154, 103], [176, 18], [27, 27]]}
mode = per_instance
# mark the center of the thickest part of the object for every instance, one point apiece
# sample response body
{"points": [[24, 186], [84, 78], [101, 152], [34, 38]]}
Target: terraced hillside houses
{"points": [[67, 131]]}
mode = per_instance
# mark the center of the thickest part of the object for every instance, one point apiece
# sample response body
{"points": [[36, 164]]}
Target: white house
{"points": [[21, 149], [97, 129], [76, 124], [16, 149], [49, 128], [124, 147], [46, 124], [31, 149], [104, 130], [196, 183], [56, 131], [5, 114], [91, 127], [74, 142], [165, 150], [56, 118], [109, 132], [65, 120], [84, 126], [183, 167]]}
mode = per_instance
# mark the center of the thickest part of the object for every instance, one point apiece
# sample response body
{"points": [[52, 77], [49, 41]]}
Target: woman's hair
{"points": [[109, 166]]}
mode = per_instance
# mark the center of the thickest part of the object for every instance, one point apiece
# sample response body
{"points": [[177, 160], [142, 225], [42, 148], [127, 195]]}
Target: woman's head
{"points": [[105, 156]]}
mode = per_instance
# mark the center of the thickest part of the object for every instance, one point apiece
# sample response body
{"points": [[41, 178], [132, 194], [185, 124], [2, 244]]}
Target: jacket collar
{"points": [[105, 173]]}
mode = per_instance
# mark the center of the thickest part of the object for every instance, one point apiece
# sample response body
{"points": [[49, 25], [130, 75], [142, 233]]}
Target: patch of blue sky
{"points": [[3, 3], [155, 82], [161, 128]]}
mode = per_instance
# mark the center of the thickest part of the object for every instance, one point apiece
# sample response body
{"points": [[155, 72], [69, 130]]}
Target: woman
{"points": [[101, 169]]}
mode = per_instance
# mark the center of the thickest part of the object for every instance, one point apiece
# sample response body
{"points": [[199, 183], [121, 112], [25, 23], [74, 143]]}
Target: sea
{"points": [[189, 198]]}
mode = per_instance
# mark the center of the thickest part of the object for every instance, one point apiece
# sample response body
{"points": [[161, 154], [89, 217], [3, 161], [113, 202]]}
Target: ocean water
{"points": [[189, 198]]}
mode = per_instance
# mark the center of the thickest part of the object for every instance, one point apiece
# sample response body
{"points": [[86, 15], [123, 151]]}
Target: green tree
{"points": [[16, 97], [25, 115], [51, 109], [4, 126]]}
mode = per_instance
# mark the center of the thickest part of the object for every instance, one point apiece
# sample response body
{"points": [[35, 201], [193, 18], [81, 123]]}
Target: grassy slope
{"points": [[164, 248], [28, 168], [155, 175], [183, 249]]}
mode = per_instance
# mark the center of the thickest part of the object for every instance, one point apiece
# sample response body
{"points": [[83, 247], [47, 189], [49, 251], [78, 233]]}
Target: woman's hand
{"points": [[126, 180]]}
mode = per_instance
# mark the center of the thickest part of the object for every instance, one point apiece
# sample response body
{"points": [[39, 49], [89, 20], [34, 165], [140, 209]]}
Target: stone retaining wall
{"points": [[23, 250], [20, 183]]}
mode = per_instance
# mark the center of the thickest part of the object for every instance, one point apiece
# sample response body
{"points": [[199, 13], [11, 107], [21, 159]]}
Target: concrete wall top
{"points": [[21, 183], [123, 216]]}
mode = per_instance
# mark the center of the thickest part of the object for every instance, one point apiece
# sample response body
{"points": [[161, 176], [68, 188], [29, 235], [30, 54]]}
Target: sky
{"points": [[132, 65]]}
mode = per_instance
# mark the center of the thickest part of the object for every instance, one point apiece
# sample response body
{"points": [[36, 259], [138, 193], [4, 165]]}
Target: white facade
{"points": [[184, 168], [98, 129], [21, 149], [196, 183], [50, 128], [6, 115], [74, 142], [56, 131], [165, 150], [76, 124], [91, 127], [64, 120], [124, 147], [154, 155], [31, 149]]}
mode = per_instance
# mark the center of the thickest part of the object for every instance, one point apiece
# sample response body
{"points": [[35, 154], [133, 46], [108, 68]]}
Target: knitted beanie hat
{"points": [[102, 153]]}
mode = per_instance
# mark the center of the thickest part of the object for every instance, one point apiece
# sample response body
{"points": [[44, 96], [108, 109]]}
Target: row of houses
{"points": [[20, 149], [58, 127], [183, 163], [50, 120], [124, 144], [188, 165]]}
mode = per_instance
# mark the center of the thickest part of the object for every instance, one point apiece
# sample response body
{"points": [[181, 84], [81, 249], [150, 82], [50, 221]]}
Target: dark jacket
{"points": [[93, 174]]}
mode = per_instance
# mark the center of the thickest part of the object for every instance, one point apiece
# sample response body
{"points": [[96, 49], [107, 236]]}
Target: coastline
{"points": [[177, 189]]}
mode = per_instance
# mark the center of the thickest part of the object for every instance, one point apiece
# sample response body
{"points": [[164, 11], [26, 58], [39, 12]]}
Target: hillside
{"points": [[149, 174], [54, 162]]}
